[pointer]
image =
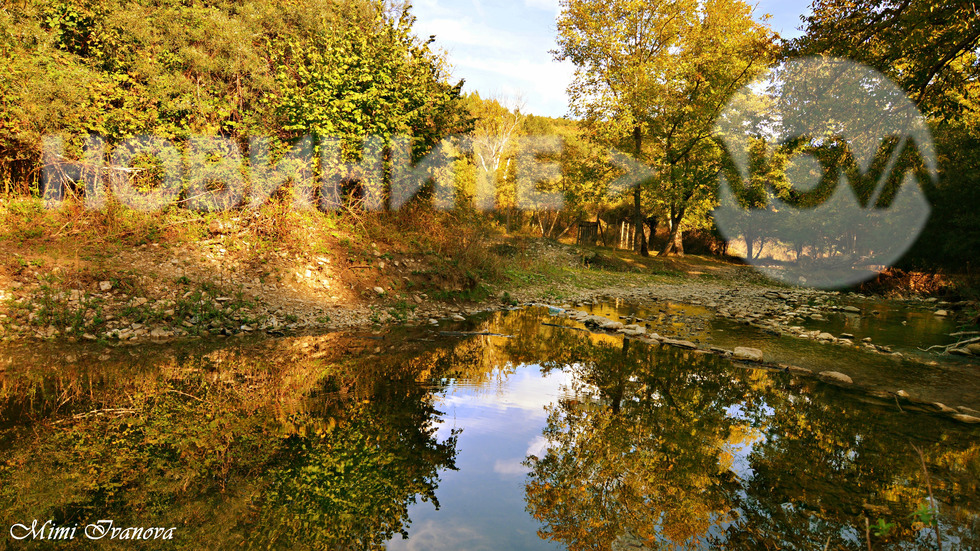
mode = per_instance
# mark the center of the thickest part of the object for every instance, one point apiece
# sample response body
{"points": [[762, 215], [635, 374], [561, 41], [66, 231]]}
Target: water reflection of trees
{"points": [[325, 441], [287, 448], [663, 448]]}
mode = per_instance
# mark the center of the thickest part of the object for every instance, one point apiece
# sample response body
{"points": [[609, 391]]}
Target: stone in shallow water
{"points": [[747, 354], [633, 330], [680, 344], [853, 309], [966, 418], [941, 313], [796, 369], [835, 376]]}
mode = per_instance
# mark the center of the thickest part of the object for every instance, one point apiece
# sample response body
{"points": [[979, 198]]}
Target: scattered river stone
{"points": [[747, 354], [835, 376], [680, 344], [963, 418], [941, 313], [633, 330], [851, 309]]}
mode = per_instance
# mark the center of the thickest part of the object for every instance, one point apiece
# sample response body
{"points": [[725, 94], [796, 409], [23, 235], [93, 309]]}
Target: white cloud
{"points": [[538, 447], [549, 5], [443, 534], [478, 6], [507, 51], [541, 83], [510, 467], [464, 31]]}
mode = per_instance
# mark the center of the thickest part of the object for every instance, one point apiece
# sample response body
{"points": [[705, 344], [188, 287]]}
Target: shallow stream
{"points": [[532, 433]]}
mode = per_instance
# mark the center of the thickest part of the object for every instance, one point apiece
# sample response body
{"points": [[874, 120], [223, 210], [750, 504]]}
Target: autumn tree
{"points": [[653, 76], [498, 123]]}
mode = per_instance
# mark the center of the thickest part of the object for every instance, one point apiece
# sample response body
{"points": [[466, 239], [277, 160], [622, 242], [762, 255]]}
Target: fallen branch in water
{"points": [[117, 412], [185, 394], [566, 327], [472, 334], [947, 347]]}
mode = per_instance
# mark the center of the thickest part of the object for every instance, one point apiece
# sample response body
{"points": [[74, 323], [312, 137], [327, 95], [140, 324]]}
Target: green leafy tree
{"points": [[235, 69], [930, 49]]}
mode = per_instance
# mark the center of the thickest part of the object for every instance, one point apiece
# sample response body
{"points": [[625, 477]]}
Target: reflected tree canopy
{"points": [[669, 449], [325, 442], [275, 454]]}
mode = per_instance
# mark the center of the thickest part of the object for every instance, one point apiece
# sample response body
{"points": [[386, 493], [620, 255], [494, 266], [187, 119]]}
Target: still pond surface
{"points": [[540, 436]]}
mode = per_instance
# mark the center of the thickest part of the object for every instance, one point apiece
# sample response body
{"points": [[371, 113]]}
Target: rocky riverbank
{"points": [[754, 358]]}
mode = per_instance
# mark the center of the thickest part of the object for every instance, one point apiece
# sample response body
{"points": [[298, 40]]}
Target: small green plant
{"points": [[202, 308], [400, 311], [552, 294], [926, 514], [476, 294], [883, 528], [375, 316]]}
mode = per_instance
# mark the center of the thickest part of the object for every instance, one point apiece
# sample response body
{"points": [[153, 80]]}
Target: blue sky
{"points": [[501, 46]]}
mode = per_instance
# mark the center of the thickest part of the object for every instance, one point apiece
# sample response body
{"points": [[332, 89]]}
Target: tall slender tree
{"points": [[651, 77]]}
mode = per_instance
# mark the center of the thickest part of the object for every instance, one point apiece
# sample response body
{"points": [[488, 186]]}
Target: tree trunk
{"points": [[554, 221], [675, 241], [639, 242]]}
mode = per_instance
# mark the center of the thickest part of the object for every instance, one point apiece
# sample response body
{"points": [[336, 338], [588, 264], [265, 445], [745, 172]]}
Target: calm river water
{"points": [[539, 436]]}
